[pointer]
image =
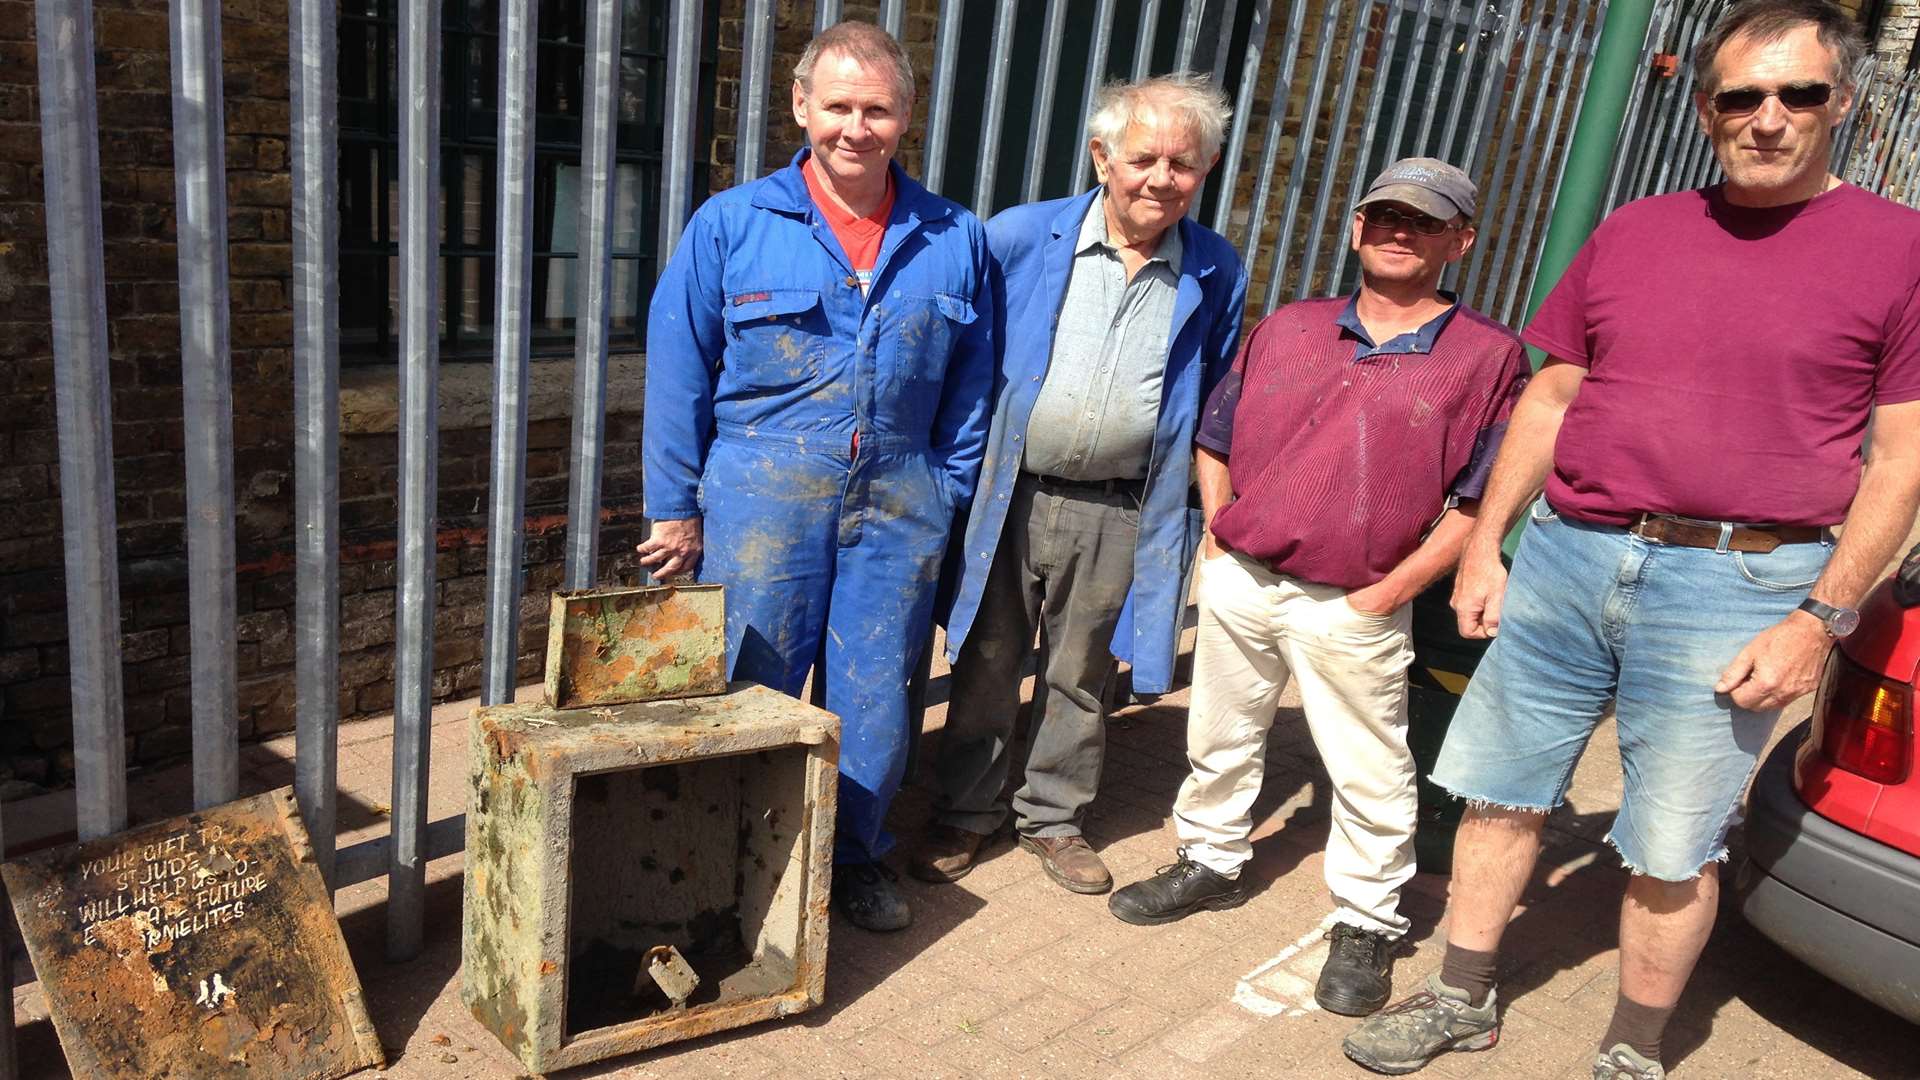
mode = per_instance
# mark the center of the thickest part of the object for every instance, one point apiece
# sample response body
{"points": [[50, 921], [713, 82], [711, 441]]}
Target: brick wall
{"points": [[1899, 26]]}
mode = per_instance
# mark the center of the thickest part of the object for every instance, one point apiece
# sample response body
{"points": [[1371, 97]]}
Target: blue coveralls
{"points": [[828, 437], [1033, 248]]}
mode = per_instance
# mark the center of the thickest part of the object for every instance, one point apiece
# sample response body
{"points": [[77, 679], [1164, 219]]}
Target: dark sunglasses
{"points": [[1386, 217], [1747, 99]]}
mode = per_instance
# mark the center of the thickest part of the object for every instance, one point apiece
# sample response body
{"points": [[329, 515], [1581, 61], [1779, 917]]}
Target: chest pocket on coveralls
{"points": [[924, 336], [773, 337]]}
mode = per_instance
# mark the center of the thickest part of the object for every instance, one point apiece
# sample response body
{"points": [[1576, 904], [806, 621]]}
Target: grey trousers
{"points": [[1063, 567]]}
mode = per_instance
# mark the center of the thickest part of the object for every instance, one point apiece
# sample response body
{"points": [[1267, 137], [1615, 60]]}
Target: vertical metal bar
{"points": [[1486, 100], [996, 109], [76, 286], [1364, 152], [825, 14], [893, 16], [1276, 121], [1490, 201], [419, 453], [1302, 153], [1143, 40], [1229, 170], [1219, 28], [676, 183], [1223, 44], [601, 98], [1537, 188], [1336, 141], [946, 54], [1192, 14], [313, 29], [1096, 74], [1456, 106], [1409, 75], [206, 376], [756, 83], [1442, 56], [512, 337], [1048, 88], [1486, 105]]}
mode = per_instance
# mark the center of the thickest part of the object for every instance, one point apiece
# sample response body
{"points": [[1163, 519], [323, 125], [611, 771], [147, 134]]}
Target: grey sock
{"points": [[1470, 970], [1637, 1025]]}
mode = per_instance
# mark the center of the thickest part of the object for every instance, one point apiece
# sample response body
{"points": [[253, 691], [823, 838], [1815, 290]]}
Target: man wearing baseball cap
{"points": [[1340, 463]]}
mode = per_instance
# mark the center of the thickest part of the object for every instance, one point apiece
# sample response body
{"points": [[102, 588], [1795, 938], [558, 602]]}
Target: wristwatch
{"points": [[1839, 621]]}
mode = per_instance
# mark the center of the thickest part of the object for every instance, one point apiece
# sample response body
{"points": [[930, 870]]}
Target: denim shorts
{"points": [[1592, 613]]}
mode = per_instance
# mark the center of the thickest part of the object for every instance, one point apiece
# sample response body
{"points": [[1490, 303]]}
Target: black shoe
{"points": [[1175, 892], [1358, 976], [865, 894]]}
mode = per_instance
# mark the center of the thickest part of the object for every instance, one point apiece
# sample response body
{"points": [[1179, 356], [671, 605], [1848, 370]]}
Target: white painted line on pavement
{"points": [[1268, 990]]}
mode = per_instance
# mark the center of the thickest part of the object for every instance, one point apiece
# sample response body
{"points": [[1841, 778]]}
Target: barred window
{"points": [[469, 129]]}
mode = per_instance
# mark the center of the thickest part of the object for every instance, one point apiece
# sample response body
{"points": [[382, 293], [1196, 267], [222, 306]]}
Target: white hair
{"points": [[1182, 99]]}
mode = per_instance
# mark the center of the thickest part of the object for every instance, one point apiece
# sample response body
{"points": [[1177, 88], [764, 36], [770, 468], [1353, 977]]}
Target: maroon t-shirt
{"points": [[1341, 455], [1733, 355]]}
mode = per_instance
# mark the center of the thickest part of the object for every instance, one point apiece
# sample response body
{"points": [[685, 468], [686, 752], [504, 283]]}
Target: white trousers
{"points": [[1258, 627]]}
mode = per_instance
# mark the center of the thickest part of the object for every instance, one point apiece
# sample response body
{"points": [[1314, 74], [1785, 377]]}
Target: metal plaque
{"points": [[196, 948]]}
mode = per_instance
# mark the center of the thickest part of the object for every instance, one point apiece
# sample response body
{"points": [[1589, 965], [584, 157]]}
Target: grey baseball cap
{"points": [[1429, 185]]}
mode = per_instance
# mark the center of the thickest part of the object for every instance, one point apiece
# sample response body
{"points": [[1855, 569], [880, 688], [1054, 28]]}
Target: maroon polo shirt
{"points": [[1342, 452], [1733, 355]]}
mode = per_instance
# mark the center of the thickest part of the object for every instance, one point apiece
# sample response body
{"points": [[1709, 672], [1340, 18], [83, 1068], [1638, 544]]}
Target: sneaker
{"points": [[1407, 1035], [1623, 1062], [866, 895], [1070, 861], [945, 854], [1175, 892], [1358, 975]]}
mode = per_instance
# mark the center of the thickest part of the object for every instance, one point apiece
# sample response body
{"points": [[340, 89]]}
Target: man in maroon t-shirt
{"points": [[1714, 357], [1339, 464]]}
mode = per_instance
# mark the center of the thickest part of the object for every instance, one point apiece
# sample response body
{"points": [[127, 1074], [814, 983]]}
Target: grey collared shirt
{"points": [[1095, 416]]}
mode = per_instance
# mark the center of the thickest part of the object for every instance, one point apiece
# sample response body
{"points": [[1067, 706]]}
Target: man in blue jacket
{"points": [[819, 361], [1121, 315]]}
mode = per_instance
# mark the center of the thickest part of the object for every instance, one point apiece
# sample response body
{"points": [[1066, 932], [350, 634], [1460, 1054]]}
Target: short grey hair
{"points": [[865, 43], [1770, 20], [1185, 99]]}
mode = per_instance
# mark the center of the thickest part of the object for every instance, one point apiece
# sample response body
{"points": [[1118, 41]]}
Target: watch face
{"points": [[1843, 622]]}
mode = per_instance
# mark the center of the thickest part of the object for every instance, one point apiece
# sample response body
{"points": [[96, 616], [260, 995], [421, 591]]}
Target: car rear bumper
{"points": [[1843, 904]]}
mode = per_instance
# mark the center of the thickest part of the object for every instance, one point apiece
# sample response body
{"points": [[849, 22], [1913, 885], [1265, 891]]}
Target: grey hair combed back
{"points": [[870, 46], [1181, 99], [1771, 20]]}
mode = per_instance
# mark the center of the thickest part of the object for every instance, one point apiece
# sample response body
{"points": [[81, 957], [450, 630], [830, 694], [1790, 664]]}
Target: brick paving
{"points": [[1004, 974]]}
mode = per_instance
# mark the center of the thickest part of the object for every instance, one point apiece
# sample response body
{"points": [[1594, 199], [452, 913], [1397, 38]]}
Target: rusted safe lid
{"points": [[622, 645], [199, 947]]}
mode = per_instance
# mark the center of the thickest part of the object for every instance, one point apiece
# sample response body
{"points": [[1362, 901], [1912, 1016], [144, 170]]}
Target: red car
{"points": [[1833, 830]]}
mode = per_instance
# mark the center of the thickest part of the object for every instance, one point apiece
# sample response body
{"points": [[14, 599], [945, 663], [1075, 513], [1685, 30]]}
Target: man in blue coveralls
{"points": [[819, 362]]}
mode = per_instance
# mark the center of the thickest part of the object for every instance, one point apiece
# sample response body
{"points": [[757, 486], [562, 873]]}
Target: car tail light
{"points": [[1863, 723]]}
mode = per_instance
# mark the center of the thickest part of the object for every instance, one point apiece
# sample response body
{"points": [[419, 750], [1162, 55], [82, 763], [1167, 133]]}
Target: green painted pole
{"points": [[1616, 64]]}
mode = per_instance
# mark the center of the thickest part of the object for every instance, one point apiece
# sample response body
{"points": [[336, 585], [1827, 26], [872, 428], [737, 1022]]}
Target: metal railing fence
{"points": [[1325, 93], [1662, 149]]}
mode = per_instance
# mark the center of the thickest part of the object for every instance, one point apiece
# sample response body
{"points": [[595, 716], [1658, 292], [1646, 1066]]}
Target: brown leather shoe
{"points": [[945, 854], [1069, 861]]}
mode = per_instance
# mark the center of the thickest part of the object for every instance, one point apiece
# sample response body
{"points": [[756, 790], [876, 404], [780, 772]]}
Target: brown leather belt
{"points": [[1754, 539]]}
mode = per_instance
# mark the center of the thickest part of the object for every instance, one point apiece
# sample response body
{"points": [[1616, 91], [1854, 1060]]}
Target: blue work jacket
{"points": [[759, 324], [1034, 247]]}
